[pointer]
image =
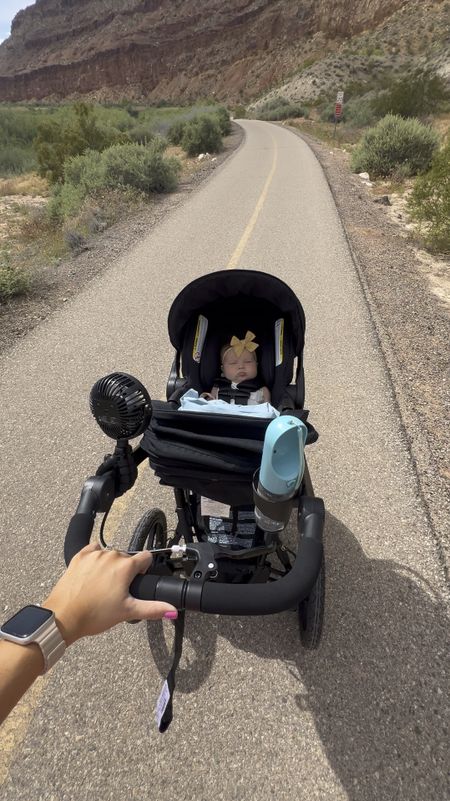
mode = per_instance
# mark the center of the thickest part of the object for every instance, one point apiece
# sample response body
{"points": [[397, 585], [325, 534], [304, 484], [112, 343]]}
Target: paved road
{"points": [[255, 716]]}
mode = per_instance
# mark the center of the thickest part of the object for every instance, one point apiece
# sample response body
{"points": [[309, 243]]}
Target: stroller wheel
{"points": [[310, 612], [150, 532]]}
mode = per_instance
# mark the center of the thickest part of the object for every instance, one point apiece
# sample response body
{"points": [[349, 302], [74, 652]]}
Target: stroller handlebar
{"points": [[198, 593]]}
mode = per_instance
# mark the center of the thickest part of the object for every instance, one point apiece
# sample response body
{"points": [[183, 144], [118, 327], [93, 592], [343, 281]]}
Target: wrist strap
{"points": [[52, 646]]}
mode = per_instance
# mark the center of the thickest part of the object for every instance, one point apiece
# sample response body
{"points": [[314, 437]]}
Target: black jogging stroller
{"points": [[219, 560]]}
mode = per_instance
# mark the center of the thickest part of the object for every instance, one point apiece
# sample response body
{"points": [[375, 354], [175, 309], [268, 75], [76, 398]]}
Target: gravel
{"points": [[413, 329]]}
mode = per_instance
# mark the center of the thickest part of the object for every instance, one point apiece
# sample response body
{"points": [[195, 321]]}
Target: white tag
{"points": [[210, 508], [162, 702]]}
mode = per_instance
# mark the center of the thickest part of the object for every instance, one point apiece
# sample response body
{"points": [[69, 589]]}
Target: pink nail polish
{"points": [[171, 615]]}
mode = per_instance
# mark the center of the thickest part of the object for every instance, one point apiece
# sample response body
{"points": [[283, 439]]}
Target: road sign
{"points": [[340, 97], [338, 111]]}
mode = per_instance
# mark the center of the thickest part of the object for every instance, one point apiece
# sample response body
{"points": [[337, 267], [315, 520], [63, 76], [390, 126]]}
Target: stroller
{"points": [[219, 560]]}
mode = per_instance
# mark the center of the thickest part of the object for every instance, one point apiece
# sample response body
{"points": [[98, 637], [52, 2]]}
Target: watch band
{"points": [[52, 644]]}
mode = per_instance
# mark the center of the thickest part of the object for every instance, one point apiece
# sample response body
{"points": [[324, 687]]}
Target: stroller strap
{"points": [[237, 393], [164, 707]]}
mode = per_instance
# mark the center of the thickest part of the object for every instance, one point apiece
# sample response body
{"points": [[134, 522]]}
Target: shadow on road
{"points": [[376, 687]]}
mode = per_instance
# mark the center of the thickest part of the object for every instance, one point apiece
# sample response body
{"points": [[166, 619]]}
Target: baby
{"points": [[238, 382]]}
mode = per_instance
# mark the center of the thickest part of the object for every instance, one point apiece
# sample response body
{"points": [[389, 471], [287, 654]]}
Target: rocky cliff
{"points": [[172, 49]]}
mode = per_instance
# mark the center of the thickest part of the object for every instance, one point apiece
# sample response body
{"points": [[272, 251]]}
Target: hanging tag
{"points": [[161, 703]]}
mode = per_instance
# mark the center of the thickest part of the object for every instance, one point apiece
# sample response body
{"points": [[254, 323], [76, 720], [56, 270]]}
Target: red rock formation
{"points": [[171, 49]]}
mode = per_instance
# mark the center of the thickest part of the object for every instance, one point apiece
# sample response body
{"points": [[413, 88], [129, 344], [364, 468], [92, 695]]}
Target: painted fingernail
{"points": [[171, 615]]}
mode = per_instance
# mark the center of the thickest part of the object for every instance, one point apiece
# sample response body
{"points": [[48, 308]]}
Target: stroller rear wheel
{"points": [[310, 612], [150, 532]]}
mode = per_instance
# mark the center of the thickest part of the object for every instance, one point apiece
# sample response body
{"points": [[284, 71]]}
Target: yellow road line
{"points": [[252, 222], [16, 726]]}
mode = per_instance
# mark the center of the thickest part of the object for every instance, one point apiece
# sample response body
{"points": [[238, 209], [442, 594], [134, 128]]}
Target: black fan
{"points": [[121, 405]]}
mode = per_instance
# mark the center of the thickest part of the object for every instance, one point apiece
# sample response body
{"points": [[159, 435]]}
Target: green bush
{"points": [[281, 109], [240, 112], [13, 280], [223, 117], [202, 135], [393, 142], [86, 171], [429, 202], [65, 202], [140, 167], [17, 130], [17, 159], [359, 112], [176, 132], [417, 95], [56, 142], [124, 167], [141, 133]]}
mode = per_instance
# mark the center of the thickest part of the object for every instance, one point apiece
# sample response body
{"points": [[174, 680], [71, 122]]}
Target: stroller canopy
{"points": [[219, 287]]}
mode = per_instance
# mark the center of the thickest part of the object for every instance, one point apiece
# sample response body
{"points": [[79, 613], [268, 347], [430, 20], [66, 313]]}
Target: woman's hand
{"points": [[93, 594]]}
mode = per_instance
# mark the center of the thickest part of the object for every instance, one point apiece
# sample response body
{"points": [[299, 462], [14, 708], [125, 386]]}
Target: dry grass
{"points": [[343, 137], [30, 184]]}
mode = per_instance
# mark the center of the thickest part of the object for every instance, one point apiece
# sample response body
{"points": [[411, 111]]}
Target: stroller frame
{"points": [[187, 452]]}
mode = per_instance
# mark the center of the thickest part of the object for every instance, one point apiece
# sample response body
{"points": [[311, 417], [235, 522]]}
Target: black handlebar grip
{"points": [[78, 534], [269, 598], [248, 599], [159, 588]]}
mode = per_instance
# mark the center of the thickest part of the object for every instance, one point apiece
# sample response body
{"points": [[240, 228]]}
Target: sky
{"points": [[8, 10]]}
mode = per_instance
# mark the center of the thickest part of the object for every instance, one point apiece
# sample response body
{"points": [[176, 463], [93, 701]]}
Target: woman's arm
{"points": [[91, 597]]}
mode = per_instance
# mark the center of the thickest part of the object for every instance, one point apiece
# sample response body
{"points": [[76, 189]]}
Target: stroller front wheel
{"points": [[150, 532], [310, 612]]}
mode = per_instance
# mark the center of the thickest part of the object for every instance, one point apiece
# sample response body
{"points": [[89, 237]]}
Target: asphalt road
{"points": [[363, 718]]}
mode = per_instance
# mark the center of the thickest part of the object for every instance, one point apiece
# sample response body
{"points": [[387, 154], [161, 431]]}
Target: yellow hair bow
{"points": [[239, 345]]}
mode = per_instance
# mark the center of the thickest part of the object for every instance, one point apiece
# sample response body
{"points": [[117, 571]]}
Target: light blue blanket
{"points": [[191, 402]]}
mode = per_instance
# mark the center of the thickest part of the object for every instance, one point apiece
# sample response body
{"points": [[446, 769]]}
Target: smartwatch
{"points": [[35, 624]]}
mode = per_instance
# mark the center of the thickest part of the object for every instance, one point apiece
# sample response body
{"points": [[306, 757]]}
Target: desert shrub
{"points": [[223, 117], [65, 202], [429, 202], [17, 130], [416, 95], [176, 132], [18, 126], [394, 141], [327, 112], [240, 112], [202, 135], [359, 112], [13, 280], [140, 167], [17, 159], [86, 171], [281, 109], [123, 167], [141, 133], [55, 142], [75, 241]]}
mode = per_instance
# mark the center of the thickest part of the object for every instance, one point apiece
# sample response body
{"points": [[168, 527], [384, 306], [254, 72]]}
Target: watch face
{"points": [[27, 621]]}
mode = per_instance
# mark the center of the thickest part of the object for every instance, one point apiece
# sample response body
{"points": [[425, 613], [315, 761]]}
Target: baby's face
{"points": [[239, 368]]}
